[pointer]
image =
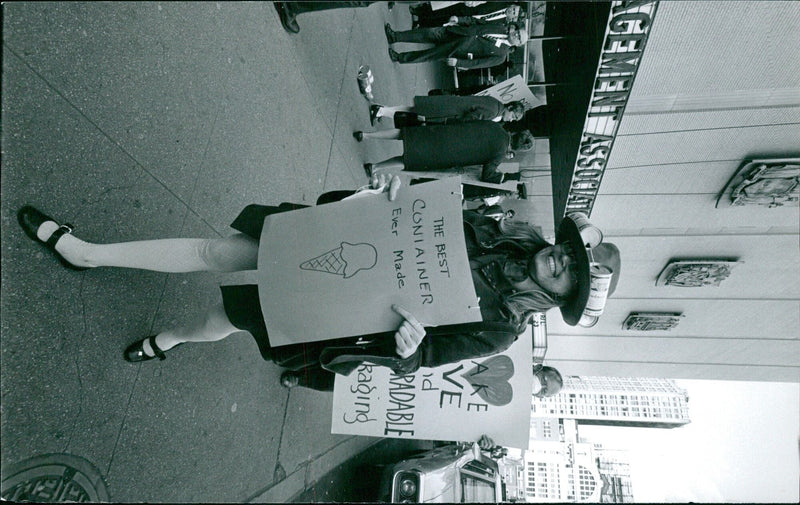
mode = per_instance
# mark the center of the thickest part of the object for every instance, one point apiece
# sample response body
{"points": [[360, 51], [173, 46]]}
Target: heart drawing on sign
{"points": [[490, 380]]}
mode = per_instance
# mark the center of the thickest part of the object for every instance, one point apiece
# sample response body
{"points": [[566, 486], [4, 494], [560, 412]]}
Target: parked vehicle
{"points": [[451, 473]]}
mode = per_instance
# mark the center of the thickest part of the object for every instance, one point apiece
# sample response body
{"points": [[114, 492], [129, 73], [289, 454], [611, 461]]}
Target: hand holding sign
{"points": [[409, 335], [384, 181], [486, 443], [379, 184]]}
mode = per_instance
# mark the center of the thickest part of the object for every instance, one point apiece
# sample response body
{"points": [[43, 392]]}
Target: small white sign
{"points": [[511, 90]]}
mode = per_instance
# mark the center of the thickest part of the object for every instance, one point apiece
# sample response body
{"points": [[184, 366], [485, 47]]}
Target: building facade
{"points": [[698, 190], [615, 473], [546, 429], [616, 401], [575, 470]]}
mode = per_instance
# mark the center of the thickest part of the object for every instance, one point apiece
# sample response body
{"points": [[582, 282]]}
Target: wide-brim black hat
{"points": [[605, 254]]}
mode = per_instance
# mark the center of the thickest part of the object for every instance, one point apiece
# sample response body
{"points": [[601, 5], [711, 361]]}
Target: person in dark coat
{"points": [[439, 147], [538, 121], [487, 11], [450, 109], [288, 11], [468, 44], [515, 272]]}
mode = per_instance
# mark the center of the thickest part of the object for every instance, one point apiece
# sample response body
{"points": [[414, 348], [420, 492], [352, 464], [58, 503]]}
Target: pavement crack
{"points": [[280, 439], [279, 473], [101, 196], [78, 368], [80, 406], [104, 133], [202, 163], [339, 102], [122, 424]]}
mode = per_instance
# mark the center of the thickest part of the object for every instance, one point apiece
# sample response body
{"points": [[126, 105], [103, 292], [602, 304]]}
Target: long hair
{"points": [[525, 241]]}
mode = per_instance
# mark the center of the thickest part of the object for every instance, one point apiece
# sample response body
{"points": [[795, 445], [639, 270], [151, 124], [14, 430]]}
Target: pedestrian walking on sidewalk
{"points": [[449, 109], [514, 270], [467, 44], [425, 16], [288, 11], [440, 147], [538, 121]]}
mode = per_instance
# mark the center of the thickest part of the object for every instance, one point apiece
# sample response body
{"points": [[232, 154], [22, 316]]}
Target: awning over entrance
{"points": [[591, 53]]}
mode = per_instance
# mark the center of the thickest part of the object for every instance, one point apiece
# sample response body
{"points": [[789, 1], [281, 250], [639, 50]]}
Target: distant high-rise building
{"points": [[565, 470], [615, 474], [575, 470], [616, 401]]}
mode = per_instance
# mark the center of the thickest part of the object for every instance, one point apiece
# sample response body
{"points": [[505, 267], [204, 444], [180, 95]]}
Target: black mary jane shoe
{"points": [[373, 113], [135, 352], [359, 136], [289, 379], [30, 219]]}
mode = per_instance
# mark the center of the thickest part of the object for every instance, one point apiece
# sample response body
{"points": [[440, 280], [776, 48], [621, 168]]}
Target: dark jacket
{"points": [[427, 17], [444, 146], [454, 108], [467, 38]]}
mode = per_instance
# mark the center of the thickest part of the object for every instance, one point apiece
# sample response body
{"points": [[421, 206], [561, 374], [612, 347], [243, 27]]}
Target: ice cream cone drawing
{"points": [[346, 260]]}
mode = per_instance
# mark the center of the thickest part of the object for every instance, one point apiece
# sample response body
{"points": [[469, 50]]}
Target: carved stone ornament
{"points": [[695, 273], [651, 321], [768, 182]]}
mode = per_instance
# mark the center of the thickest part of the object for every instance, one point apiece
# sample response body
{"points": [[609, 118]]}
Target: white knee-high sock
{"points": [[212, 326], [178, 255]]}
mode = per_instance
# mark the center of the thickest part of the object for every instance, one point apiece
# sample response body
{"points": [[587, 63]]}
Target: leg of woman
{"points": [[393, 134], [231, 254], [312, 377], [209, 327], [386, 111], [395, 163]]}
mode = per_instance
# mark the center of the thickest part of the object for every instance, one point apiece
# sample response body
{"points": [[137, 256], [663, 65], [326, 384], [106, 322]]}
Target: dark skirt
{"points": [[241, 302], [439, 147], [463, 108]]}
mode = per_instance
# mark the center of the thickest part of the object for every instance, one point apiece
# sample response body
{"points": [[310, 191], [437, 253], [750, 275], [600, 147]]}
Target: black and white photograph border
{"points": [[126, 122]]}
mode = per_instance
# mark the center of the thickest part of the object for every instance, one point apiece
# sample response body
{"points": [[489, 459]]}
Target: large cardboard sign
{"points": [[436, 5], [334, 270], [459, 401], [511, 90]]}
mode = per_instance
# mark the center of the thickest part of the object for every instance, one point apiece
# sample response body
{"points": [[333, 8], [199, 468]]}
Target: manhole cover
{"points": [[53, 478]]}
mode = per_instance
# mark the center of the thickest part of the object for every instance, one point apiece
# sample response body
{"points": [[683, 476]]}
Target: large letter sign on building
{"points": [[628, 28]]}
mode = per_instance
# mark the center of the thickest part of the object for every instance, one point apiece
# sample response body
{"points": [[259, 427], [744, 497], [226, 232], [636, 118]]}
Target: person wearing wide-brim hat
{"points": [[515, 271], [604, 257]]}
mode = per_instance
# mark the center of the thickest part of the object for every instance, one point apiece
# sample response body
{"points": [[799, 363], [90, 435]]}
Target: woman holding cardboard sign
{"points": [[514, 270]]}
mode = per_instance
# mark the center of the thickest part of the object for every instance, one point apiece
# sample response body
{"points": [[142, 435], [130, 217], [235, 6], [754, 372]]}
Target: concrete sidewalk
{"points": [[152, 120]]}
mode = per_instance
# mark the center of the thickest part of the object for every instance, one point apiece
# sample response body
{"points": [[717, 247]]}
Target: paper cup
{"points": [[590, 234]]}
